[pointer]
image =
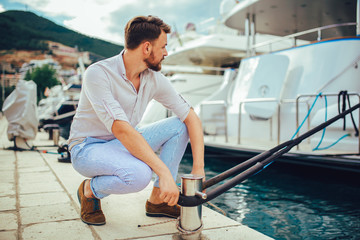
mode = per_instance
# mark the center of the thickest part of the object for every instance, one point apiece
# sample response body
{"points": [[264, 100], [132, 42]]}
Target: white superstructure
{"points": [[274, 92]]}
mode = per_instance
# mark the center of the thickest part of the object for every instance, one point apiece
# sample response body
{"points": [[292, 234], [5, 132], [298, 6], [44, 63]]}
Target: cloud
{"points": [[176, 13], [106, 19], [2, 9]]}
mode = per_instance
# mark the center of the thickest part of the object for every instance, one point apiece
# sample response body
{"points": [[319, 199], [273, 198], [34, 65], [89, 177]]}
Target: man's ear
{"points": [[146, 47]]}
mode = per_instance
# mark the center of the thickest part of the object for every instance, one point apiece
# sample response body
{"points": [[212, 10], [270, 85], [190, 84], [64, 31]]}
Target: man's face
{"points": [[158, 52]]}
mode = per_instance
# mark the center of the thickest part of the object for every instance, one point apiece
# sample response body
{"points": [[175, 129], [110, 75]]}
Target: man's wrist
{"points": [[198, 170], [198, 166]]}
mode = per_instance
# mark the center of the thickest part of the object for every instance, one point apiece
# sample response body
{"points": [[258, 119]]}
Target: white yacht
{"points": [[196, 63], [280, 95]]}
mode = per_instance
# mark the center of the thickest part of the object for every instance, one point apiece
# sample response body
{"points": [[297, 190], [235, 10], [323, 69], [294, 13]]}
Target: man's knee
{"points": [[142, 178], [136, 178]]}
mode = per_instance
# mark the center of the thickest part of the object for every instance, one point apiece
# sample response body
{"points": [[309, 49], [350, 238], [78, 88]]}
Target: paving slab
{"points": [[7, 176], [35, 177], [34, 168], [7, 203], [7, 189], [48, 213], [69, 230], [46, 186], [43, 199], [8, 221], [7, 161], [9, 235]]}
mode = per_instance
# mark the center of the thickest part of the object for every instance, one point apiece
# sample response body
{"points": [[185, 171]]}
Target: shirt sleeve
{"points": [[97, 88], [170, 98]]}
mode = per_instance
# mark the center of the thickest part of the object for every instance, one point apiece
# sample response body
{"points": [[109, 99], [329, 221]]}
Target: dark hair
{"points": [[142, 28]]}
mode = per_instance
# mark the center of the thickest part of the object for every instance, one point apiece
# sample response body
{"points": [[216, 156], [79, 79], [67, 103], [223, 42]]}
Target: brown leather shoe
{"points": [[91, 212], [162, 210]]}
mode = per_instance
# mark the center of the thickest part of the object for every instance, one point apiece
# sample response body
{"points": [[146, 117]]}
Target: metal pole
{"points": [[253, 42], [226, 124], [3, 83], [239, 127], [358, 18], [247, 34], [190, 217], [278, 124]]}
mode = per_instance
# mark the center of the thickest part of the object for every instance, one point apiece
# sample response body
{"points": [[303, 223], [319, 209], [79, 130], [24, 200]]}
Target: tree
{"points": [[44, 76]]}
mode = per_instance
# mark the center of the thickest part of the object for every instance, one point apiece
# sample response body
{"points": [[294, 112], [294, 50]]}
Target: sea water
{"points": [[290, 201]]}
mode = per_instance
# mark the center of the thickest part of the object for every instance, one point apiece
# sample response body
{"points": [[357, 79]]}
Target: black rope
{"points": [[342, 103], [352, 118], [344, 96]]}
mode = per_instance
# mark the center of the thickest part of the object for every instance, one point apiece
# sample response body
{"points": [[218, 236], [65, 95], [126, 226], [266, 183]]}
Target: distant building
{"points": [[10, 79], [30, 66], [63, 50]]}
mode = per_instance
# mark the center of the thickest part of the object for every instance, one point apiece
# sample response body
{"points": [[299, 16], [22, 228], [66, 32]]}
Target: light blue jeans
{"points": [[113, 170]]}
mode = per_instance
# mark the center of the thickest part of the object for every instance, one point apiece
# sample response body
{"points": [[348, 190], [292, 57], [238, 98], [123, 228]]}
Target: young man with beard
{"points": [[105, 143]]}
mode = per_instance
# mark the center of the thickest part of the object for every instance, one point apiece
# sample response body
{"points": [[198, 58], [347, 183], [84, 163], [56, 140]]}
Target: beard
{"points": [[150, 62]]}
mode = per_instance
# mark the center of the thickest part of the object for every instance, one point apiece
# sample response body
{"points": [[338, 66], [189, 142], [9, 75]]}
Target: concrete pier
{"points": [[38, 201]]}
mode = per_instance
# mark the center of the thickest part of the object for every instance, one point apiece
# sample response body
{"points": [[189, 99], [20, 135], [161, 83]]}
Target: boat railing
{"points": [[216, 102], [297, 101], [254, 100], [299, 97], [295, 35], [303, 98]]}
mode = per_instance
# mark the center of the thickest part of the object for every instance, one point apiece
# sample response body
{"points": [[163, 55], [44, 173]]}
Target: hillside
{"points": [[26, 31]]}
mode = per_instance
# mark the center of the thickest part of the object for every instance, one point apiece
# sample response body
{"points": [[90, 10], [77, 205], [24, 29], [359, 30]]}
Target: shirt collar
{"points": [[121, 65]]}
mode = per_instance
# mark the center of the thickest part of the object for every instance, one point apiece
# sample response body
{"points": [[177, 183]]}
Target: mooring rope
{"points": [[153, 224], [217, 208]]}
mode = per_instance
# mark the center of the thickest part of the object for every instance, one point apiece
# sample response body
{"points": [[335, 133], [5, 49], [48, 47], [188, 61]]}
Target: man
{"points": [[105, 143]]}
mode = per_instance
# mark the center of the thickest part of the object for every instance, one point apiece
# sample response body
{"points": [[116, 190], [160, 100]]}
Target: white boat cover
{"points": [[20, 110]]}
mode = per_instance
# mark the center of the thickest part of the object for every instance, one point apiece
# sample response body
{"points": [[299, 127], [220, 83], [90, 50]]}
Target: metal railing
{"points": [[217, 102], [254, 100], [293, 36], [280, 104], [308, 120]]}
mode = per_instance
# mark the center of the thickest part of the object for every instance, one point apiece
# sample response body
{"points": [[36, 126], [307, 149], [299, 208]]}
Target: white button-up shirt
{"points": [[107, 95]]}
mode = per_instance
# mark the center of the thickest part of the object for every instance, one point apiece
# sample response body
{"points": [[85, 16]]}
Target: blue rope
{"points": [[263, 168], [323, 132], [327, 147], [308, 114]]}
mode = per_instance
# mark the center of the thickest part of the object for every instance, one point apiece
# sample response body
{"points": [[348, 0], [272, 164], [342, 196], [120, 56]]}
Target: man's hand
{"points": [[169, 191]]}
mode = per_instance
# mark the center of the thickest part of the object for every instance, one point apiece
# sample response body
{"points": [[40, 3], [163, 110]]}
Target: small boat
{"points": [[60, 106]]}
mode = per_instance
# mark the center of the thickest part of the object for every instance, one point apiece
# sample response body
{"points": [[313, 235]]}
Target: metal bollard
{"points": [[56, 136], [190, 217]]}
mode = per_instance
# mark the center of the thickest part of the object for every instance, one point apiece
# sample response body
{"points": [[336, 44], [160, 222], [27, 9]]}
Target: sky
{"points": [[106, 19]]}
